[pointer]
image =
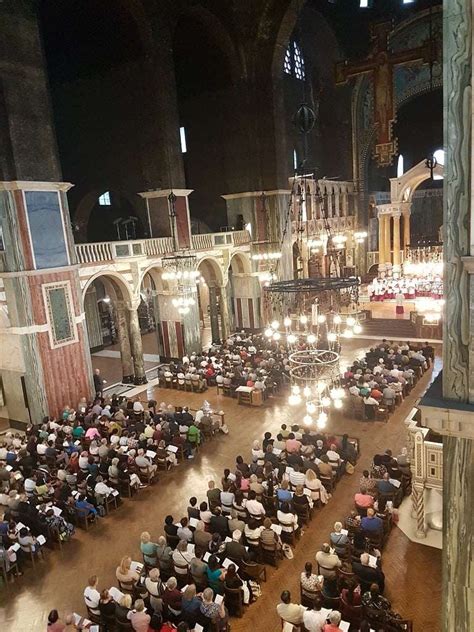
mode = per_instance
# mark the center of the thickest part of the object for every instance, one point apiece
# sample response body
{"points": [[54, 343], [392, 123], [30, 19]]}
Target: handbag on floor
{"points": [[287, 551]]}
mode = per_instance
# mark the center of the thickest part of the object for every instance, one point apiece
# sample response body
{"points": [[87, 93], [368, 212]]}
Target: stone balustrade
{"points": [[102, 251]]}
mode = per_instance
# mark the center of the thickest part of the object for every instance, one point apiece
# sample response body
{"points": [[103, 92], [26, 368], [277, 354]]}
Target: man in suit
{"points": [[367, 574], [235, 550]]}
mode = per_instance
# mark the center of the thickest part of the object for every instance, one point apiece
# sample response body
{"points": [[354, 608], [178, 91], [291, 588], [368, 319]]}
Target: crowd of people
{"points": [[345, 587], [218, 549], [74, 469], [384, 376], [407, 287], [242, 360]]}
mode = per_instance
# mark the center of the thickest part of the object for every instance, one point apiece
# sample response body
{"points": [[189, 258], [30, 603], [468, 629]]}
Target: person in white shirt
{"points": [[41, 448], [138, 406], [297, 477], [92, 595], [144, 463], [101, 488], [313, 619], [287, 520], [254, 507]]}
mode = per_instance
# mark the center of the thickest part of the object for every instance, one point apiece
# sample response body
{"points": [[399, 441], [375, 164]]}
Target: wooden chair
{"points": [[172, 540], [254, 571], [146, 476], [188, 384], [290, 537], [382, 413], [92, 616], [220, 389], [308, 597], [85, 519], [127, 587], [110, 502], [328, 483], [12, 571], [54, 537], [234, 601], [343, 578], [270, 504], [270, 554]]}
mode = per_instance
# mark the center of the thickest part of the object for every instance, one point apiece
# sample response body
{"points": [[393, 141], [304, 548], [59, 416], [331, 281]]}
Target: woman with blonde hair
{"points": [[139, 619], [155, 588], [318, 491], [148, 549], [124, 573]]}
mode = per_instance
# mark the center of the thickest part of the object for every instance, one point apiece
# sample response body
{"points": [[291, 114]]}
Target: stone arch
{"points": [[210, 269], [220, 34], [113, 282], [402, 189], [240, 263], [154, 271], [87, 204]]}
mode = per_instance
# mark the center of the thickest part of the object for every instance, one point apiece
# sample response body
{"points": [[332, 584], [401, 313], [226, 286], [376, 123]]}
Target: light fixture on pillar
{"points": [[172, 212], [431, 163]]}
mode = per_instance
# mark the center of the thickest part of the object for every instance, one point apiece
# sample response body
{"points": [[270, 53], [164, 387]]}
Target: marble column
{"points": [[224, 310], [156, 316], [381, 242], [406, 229], [136, 346], [418, 500], [214, 313], [396, 242], [458, 530], [121, 326], [387, 241], [458, 323]]}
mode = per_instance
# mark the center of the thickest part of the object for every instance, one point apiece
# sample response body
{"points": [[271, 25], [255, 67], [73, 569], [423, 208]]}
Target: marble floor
{"points": [[413, 571]]}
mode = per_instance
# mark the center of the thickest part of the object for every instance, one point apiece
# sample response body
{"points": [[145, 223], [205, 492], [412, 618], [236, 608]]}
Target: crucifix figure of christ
{"points": [[380, 64]]}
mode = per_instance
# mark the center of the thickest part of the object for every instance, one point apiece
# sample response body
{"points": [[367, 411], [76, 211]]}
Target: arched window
{"points": [[104, 199], [294, 62], [400, 166]]}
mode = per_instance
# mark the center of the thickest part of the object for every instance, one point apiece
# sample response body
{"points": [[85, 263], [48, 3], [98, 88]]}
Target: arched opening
{"points": [[107, 216], [106, 298], [210, 298]]}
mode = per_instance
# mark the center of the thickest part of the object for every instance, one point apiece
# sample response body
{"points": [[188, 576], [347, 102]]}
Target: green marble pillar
{"points": [[136, 346], [124, 344]]}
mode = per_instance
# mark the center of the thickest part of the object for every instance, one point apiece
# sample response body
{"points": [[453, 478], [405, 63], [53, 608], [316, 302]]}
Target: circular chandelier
{"points": [[313, 354]]}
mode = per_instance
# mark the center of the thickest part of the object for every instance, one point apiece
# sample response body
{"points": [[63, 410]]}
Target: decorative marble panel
{"points": [[45, 223], [59, 313]]}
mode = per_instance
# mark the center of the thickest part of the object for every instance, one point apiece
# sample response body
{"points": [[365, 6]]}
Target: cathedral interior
{"points": [[281, 186]]}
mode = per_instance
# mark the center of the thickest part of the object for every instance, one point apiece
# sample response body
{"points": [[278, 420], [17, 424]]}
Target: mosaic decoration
{"points": [[59, 313]]}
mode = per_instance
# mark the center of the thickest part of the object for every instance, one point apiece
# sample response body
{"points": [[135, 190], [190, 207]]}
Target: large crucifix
{"points": [[380, 63]]}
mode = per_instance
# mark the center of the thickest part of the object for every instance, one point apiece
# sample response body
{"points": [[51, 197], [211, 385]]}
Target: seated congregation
{"points": [[344, 589], [380, 380], [220, 547], [73, 471]]}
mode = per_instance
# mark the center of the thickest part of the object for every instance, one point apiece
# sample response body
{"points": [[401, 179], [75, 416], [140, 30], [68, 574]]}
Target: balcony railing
{"points": [[112, 250]]}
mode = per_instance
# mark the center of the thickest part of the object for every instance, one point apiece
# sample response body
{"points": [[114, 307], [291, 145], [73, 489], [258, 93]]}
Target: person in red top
{"points": [[292, 445], [376, 394], [334, 621], [210, 371], [363, 499]]}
